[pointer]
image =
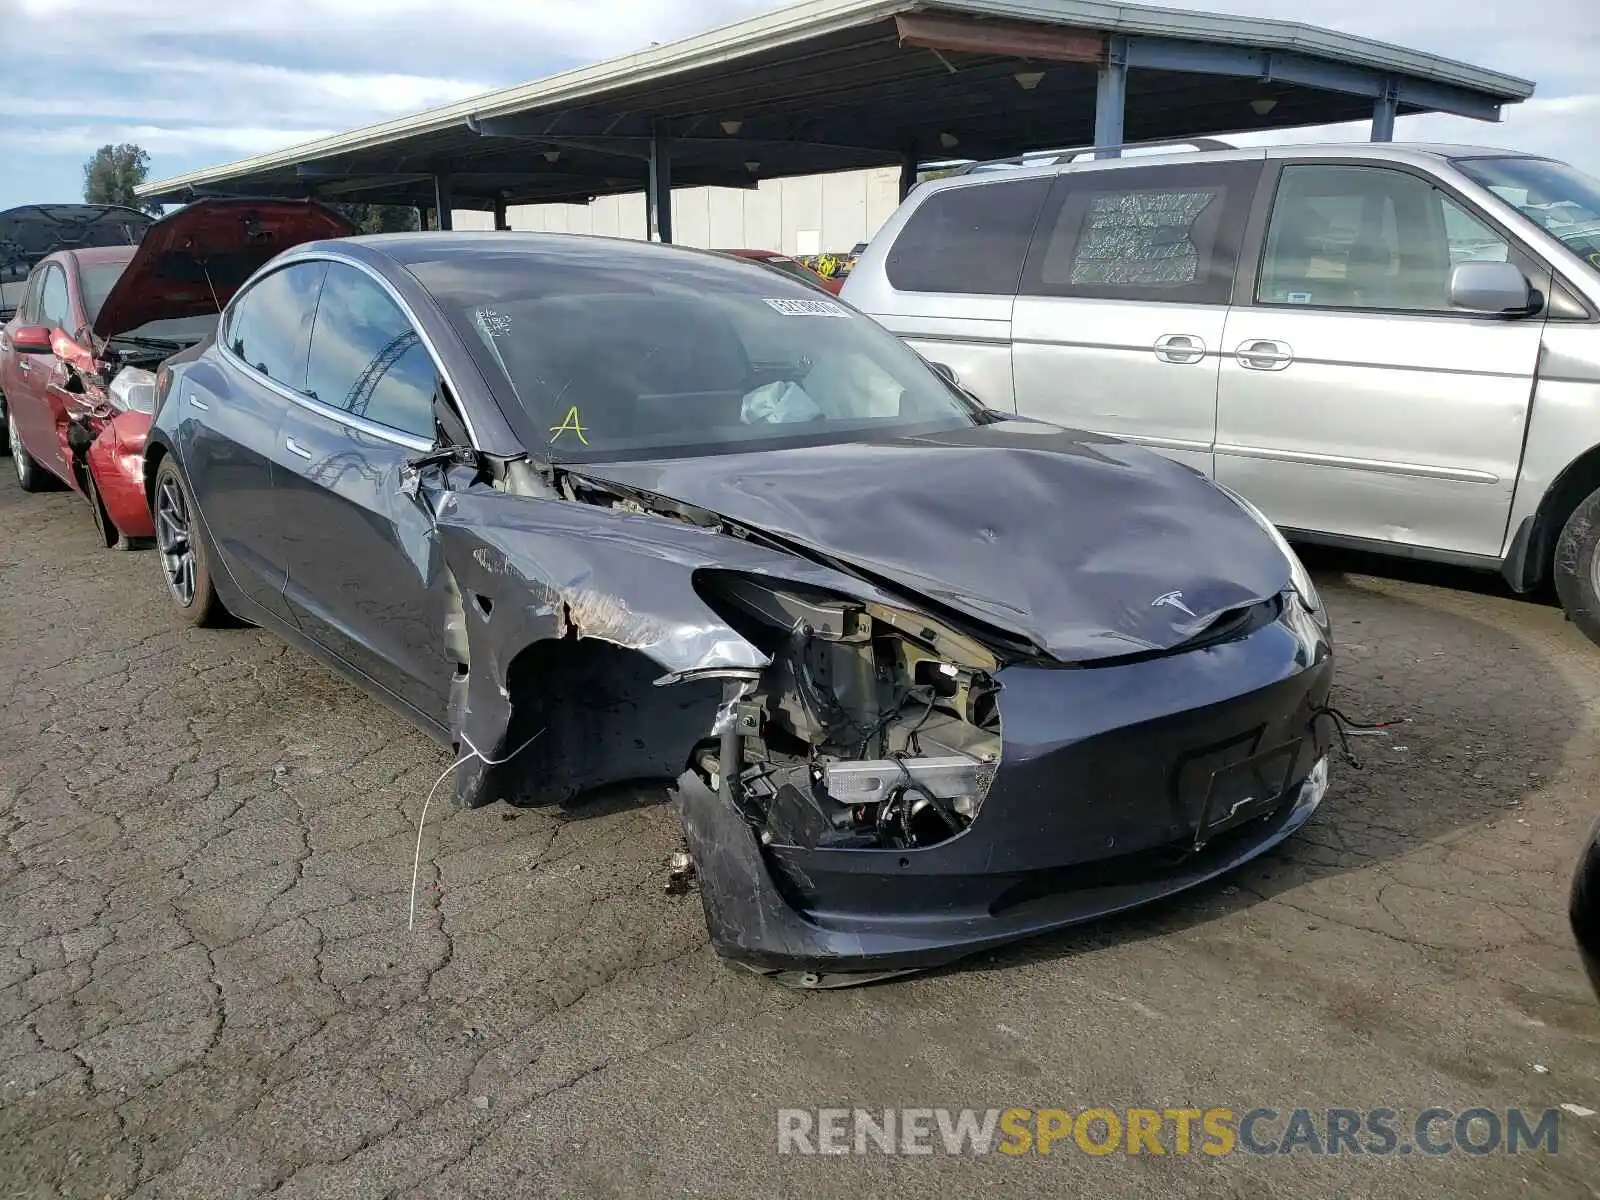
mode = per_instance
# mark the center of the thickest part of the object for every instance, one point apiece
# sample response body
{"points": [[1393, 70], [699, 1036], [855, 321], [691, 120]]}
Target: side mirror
{"points": [[946, 370], [1491, 287], [31, 339]]}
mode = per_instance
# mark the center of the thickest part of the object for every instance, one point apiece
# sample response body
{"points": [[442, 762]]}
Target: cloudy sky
{"points": [[201, 82]]}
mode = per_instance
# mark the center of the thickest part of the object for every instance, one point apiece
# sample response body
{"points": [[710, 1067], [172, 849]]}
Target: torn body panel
{"points": [[115, 460], [543, 584]]}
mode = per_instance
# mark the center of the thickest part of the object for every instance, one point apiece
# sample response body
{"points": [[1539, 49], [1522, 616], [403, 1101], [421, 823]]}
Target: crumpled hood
{"points": [[192, 262], [1087, 547]]}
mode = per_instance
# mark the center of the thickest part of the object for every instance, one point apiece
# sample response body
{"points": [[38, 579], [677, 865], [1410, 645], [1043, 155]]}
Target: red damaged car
{"points": [[79, 356]]}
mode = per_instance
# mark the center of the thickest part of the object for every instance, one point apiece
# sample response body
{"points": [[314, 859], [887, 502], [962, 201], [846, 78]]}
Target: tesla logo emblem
{"points": [[1173, 600]]}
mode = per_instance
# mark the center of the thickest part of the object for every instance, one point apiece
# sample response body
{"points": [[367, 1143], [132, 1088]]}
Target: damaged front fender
{"points": [[553, 634]]}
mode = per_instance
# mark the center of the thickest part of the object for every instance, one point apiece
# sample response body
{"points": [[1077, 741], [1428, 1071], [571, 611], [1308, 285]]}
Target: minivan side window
{"points": [[970, 239], [1361, 237], [267, 325], [1143, 233], [366, 357]]}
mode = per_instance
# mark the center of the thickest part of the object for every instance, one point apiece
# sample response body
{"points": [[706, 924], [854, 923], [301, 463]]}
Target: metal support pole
{"points": [[1111, 98], [908, 173], [501, 221], [441, 201], [658, 197], [1383, 113]]}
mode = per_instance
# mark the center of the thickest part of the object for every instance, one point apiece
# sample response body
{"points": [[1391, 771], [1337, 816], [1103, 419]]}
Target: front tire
{"points": [[30, 475], [1577, 567], [185, 558]]}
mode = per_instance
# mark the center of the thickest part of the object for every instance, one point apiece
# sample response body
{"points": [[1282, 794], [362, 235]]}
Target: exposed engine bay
{"points": [[872, 728]]}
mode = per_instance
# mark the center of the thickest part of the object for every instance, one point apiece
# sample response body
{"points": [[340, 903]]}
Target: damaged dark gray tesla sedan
{"points": [[928, 678]]}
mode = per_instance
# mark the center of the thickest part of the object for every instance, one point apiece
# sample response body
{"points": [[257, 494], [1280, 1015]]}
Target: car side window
{"points": [[1362, 237], [267, 324], [1143, 233], [969, 239], [28, 312], [366, 357], [55, 308]]}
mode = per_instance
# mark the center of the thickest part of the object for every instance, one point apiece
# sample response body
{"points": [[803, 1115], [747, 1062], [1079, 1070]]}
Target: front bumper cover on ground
{"points": [[1116, 786]]}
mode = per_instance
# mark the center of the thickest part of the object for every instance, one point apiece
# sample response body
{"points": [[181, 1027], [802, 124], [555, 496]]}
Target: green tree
{"points": [[380, 218], [112, 173]]}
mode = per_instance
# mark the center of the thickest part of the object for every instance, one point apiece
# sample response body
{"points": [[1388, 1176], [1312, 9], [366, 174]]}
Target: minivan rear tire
{"points": [[1577, 567]]}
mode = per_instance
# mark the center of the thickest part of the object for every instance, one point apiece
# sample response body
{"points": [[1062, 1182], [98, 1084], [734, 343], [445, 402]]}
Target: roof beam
{"points": [[1171, 54], [1005, 39]]}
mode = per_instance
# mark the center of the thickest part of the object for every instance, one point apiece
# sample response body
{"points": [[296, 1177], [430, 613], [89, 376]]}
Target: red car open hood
{"points": [[192, 262]]}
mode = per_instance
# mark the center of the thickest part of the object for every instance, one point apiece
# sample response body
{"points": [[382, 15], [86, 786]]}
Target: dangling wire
{"points": [[472, 753], [1346, 729]]}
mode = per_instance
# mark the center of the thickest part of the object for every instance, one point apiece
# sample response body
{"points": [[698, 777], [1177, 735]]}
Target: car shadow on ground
{"points": [[1330, 564]]}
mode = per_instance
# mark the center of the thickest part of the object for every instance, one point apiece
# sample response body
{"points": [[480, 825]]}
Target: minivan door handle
{"points": [[294, 447], [1180, 348], [1261, 355]]}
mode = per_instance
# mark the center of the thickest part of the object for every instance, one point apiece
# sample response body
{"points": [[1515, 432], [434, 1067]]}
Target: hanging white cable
{"points": [[416, 859]]}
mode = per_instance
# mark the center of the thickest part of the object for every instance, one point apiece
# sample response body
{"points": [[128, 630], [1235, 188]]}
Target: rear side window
{"points": [[268, 324], [30, 303], [1154, 233], [55, 309], [968, 239], [367, 359]]}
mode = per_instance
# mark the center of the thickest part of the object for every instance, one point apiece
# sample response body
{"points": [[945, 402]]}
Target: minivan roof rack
{"points": [[1048, 158]]}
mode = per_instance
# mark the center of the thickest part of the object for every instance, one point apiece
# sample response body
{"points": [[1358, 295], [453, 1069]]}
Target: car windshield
{"points": [[97, 280], [172, 334], [1561, 199], [656, 352]]}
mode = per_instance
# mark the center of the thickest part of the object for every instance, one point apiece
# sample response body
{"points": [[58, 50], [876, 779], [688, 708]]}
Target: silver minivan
{"points": [[1390, 347]]}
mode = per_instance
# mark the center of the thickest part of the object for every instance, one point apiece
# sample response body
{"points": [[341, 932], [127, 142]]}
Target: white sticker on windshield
{"points": [[495, 324], [809, 308]]}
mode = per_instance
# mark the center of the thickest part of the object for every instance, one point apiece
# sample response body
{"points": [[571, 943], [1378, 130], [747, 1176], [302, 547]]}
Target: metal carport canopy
{"points": [[832, 85]]}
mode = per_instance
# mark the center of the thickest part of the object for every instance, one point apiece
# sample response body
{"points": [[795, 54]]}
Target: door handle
{"points": [[1262, 355], [1180, 348], [24, 366], [294, 447], [196, 402]]}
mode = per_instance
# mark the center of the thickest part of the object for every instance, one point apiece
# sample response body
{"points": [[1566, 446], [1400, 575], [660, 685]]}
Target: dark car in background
{"points": [[79, 355], [30, 233], [927, 678]]}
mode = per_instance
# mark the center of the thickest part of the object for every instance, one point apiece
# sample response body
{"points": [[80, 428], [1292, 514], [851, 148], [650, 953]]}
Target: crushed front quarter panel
{"points": [[552, 570]]}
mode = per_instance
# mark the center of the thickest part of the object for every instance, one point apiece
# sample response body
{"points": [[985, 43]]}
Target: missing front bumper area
{"points": [[1110, 788], [754, 924]]}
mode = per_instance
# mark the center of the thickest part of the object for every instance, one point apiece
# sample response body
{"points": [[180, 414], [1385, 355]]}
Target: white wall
{"points": [[831, 212]]}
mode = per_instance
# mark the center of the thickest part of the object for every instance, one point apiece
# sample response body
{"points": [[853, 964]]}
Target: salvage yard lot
{"points": [[207, 986]]}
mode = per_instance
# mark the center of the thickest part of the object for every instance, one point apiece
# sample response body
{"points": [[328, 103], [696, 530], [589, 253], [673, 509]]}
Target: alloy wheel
{"points": [[175, 541], [18, 454]]}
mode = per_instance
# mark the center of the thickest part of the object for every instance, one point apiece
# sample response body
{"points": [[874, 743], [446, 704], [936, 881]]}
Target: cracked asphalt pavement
{"points": [[207, 986]]}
